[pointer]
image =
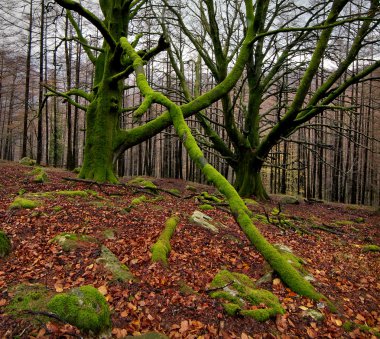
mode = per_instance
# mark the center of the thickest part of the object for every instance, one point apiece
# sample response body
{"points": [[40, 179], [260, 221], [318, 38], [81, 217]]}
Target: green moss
{"points": [[161, 248], [21, 191], [344, 223], [231, 308], [206, 207], [70, 241], [205, 196], [143, 183], [28, 297], [77, 170], [185, 289], [109, 233], [138, 200], [27, 161], [19, 203], [5, 245], [349, 326], [72, 193], [291, 258], [359, 220], [243, 297], [251, 202], [371, 248], [191, 188], [175, 191], [40, 175], [57, 209], [119, 271], [84, 307]]}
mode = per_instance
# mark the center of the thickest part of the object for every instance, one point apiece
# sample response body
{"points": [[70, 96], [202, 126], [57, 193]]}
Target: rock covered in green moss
{"points": [[289, 200], [206, 207], [20, 203], [161, 248], [27, 161], [39, 175], [145, 183], [70, 241], [5, 245], [84, 307], [111, 263], [139, 200], [241, 296]]}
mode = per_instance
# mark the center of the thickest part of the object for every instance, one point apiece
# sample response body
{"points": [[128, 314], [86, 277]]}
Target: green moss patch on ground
{"points": [[33, 297], [240, 296], [371, 248], [144, 183], [20, 203]]}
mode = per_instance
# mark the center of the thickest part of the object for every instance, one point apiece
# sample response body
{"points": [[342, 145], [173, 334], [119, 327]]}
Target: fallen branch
{"points": [[218, 288]]}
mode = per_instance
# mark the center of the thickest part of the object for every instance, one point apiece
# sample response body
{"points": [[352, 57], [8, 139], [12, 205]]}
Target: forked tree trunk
{"points": [[248, 181]]}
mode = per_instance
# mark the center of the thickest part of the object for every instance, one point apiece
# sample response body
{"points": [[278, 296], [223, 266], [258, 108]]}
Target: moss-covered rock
{"points": [[139, 200], [144, 183], [5, 245], [206, 207], [111, 263], [70, 241], [161, 248], [84, 307], [77, 193], [20, 203], [207, 197], [241, 296], [191, 188], [289, 200], [39, 175], [27, 161]]}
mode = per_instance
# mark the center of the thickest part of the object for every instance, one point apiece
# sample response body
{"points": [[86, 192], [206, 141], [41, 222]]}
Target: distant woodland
{"points": [[332, 152]]}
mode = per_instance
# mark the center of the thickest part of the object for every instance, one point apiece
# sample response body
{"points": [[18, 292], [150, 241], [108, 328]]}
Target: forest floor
{"points": [[174, 300]]}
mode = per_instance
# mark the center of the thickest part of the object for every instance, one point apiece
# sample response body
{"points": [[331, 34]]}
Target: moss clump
{"points": [[111, 263], [84, 307], [371, 248], [72, 193], [70, 241], [5, 245], [77, 170], [143, 183], [250, 202], [243, 298], [27, 161], [175, 191], [349, 326], [185, 289], [109, 233], [207, 197], [359, 220], [28, 297], [191, 188], [161, 248], [291, 258], [57, 209], [344, 223], [206, 207], [139, 200], [40, 175], [20, 203]]}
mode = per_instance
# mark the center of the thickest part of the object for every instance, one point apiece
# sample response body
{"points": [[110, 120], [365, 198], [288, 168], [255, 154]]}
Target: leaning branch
{"points": [[84, 12]]}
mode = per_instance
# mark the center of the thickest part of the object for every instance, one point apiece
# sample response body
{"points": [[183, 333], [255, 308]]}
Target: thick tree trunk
{"points": [[102, 133], [248, 178]]}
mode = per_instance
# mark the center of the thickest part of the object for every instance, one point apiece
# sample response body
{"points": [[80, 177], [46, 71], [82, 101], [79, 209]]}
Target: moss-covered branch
{"points": [[238, 208], [161, 247], [99, 24], [81, 38], [67, 95]]}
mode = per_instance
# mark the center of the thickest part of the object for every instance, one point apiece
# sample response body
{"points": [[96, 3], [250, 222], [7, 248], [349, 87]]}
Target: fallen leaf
{"points": [[338, 322], [184, 326], [276, 281], [360, 317], [102, 289], [58, 288], [304, 308]]}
